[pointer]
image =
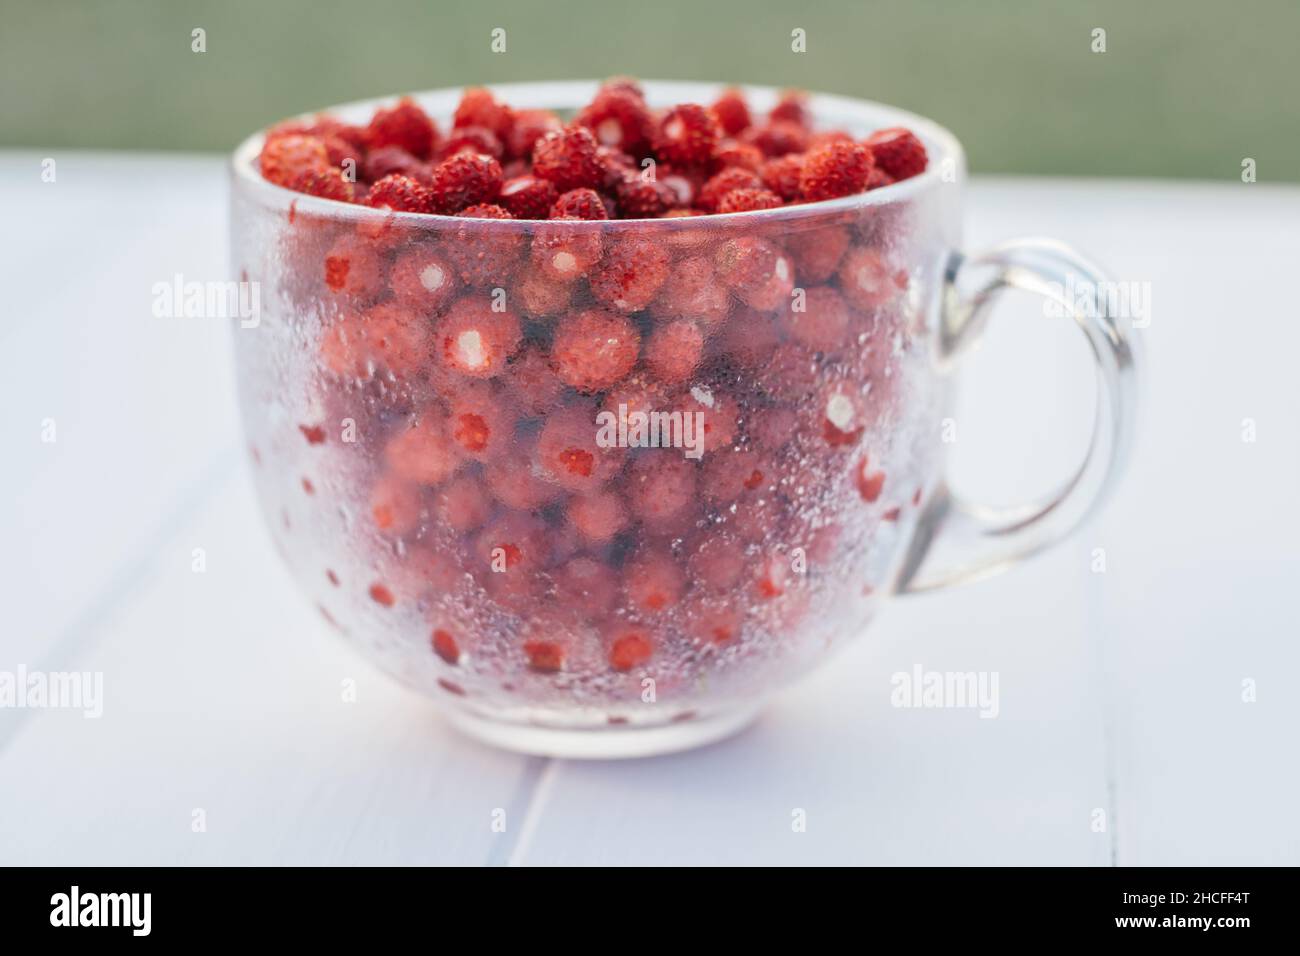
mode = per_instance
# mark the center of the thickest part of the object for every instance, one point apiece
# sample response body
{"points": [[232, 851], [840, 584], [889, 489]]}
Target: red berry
{"points": [[512, 482], [834, 170], [630, 649], [478, 107], [586, 586], [748, 338], [483, 254], [775, 576], [474, 339], [538, 295], [673, 350], [594, 349], [597, 517], [693, 291], [529, 127], [381, 595], [422, 279], [731, 153], [618, 117], [400, 194], [512, 544], [661, 489], [386, 160], [631, 274], [465, 179], [757, 271], [641, 198], [532, 383], [444, 645], [791, 107], [568, 452], [843, 415], [866, 280], [579, 204], [545, 657], [395, 338], [782, 175], [395, 505], [285, 157], [473, 139], [714, 623], [717, 562], [749, 200], [732, 111], [565, 252], [897, 151], [354, 267], [423, 452], [687, 134], [823, 322], [721, 416], [817, 252], [463, 504], [730, 473], [778, 138], [404, 125], [482, 421], [718, 186], [528, 197], [325, 183], [870, 484], [568, 158], [653, 581]]}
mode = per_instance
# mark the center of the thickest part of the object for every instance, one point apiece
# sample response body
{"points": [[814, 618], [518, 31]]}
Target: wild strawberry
{"points": [[823, 321], [866, 281], [730, 473], [539, 295], [474, 339], [569, 454], [834, 170], [285, 157], [478, 107], [791, 107], [422, 279], [406, 125], [386, 160], [545, 657], [775, 576], [529, 127], [732, 111], [528, 197], [615, 164], [380, 594], [782, 175], [462, 504], [758, 272], [716, 187], [512, 543], [897, 151], [817, 252], [716, 562], [749, 200], [673, 350], [693, 291], [641, 198], [513, 483], [568, 158], [400, 194], [653, 581], [395, 506], [661, 490], [423, 452], [445, 646], [843, 414], [719, 411], [630, 649], [682, 185], [482, 422], [465, 179], [586, 586], [532, 383], [686, 134], [747, 339], [325, 183], [579, 204], [618, 117], [597, 517], [713, 623], [354, 267], [878, 179], [778, 138], [731, 153], [473, 139], [564, 252], [395, 338], [870, 483], [632, 272], [485, 256]]}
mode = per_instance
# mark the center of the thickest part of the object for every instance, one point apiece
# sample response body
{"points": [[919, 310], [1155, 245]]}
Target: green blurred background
{"points": [[1184, 89]]}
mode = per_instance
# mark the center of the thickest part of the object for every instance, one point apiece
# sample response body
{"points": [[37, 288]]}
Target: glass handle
{"points": [[958, 540]]}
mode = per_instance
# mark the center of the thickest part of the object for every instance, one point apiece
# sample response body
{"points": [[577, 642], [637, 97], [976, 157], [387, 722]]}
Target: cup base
{"points": [[612, 742]]}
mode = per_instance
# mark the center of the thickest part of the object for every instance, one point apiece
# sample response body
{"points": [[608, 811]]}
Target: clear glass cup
{"points": [[522, 549]]}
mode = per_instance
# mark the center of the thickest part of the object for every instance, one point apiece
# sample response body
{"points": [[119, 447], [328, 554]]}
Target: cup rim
{"points": [[940, 143]]}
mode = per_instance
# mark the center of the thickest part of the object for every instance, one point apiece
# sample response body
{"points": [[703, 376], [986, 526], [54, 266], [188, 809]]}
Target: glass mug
{"points": [[635, 566]]}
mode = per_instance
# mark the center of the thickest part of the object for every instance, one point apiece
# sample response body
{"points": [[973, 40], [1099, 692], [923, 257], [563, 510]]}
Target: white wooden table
{"points": [[1121, 693]]}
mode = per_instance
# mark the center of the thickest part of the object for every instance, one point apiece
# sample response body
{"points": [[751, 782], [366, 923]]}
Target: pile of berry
{"points": [[474, 359], [616, 159]]}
